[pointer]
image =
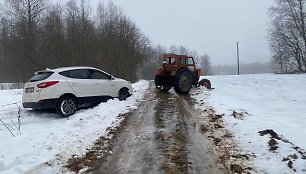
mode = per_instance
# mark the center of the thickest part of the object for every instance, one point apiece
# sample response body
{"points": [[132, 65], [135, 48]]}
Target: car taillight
{"points": [[47, 84]]}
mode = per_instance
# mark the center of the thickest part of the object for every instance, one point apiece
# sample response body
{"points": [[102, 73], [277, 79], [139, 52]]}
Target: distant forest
{"points": [[36, 34], [250, 68]]}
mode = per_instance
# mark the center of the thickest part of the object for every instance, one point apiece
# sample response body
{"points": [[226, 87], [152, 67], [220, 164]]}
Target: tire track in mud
{"points": [[161, 136], [171, 134], [135, 150], [185, 148], [201, 156]]}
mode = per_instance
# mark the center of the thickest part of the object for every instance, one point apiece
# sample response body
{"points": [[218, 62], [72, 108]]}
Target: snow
{"points": [[47, 140], [267, 101]]}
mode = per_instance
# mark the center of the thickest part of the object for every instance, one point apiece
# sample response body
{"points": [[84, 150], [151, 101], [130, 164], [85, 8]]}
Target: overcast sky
{"points": [[207, 26]]}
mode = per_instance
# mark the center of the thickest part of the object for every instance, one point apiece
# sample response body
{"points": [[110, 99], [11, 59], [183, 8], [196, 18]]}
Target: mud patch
{"points": [[239, 114], [290, 159], [204, 128], [272, 143], [236, 168], [227, 149], [178, 136], [177, 160], [270, 132], [218, 126], [213, 117]]}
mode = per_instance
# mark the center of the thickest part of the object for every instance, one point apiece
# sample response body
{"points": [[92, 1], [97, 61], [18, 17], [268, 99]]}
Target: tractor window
{"points": [[170, 60], [190, 61], [182, 61]]}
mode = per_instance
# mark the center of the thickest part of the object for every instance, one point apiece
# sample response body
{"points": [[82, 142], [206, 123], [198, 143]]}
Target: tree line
{"points": [[37, 34], [287, 35], [245, 68]]}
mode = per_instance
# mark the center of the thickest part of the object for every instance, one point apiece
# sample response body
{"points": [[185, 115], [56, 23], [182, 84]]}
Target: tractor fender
{"points": [[160, 71], [173, 73]]}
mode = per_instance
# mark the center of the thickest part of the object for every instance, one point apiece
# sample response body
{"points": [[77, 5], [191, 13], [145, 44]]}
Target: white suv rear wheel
{"points": [[66, 106]]}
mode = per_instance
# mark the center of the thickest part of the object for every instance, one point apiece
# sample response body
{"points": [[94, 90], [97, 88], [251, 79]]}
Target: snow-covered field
{"points": [[47, 140], [274, 104], [264, 102]]}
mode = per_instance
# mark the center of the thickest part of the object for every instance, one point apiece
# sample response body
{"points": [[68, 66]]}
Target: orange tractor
{"points": [[180, 72]]}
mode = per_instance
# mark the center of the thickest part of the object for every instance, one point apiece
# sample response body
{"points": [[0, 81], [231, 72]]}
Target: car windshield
{"points": [[42, 75]]}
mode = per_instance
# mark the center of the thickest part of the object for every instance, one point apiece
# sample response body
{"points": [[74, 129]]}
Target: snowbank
{"points": [[47, 140]]}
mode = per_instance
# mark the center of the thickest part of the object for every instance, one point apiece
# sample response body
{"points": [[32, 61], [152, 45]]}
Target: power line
{"points": [[238, 56]]}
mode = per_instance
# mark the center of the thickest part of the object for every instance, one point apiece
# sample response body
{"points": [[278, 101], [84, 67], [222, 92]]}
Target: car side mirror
{"points": [[111, 77]]}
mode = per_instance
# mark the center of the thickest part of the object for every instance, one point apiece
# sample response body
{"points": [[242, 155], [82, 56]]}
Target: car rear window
{"points": [[42, 75]]}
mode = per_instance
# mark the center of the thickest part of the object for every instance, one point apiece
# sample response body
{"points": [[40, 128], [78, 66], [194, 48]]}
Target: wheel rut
{"points": [[161, 136], [170, 136]]}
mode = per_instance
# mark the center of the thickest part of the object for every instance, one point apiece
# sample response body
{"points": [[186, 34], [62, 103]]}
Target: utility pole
{"points": [[238, 56]]}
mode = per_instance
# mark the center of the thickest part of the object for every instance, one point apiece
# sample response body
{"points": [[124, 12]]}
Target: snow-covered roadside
{"points": [[268, 103], [46, 139]]}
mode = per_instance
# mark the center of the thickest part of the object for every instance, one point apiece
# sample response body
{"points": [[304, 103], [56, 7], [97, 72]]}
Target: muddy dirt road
{"points": [[161, 136]]}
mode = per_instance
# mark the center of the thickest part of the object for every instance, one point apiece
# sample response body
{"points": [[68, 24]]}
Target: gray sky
{"points": [[207, 26]]}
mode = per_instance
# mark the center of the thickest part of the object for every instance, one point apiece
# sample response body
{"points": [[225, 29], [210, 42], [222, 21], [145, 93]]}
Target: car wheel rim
{"points": [[68, 107]]}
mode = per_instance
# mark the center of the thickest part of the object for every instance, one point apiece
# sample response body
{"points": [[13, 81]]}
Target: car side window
{"points": [[77, 74], [95, 74]]}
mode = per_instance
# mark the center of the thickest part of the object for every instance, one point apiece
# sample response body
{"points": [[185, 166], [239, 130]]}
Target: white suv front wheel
{"points": [[66, 106]]}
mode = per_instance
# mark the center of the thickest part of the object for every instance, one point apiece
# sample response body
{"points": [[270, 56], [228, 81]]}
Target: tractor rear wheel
{"points": [[160, 85], [183, 81]]}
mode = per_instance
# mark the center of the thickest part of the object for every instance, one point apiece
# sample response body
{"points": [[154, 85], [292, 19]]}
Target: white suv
{"points": [[66, 89]]}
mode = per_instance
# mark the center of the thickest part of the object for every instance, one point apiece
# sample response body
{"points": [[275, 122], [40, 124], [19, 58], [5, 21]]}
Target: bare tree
{"points": [[205, 65], [54, 47], [288, 35], [4, 43], [122, 46], [24, 16], [179, 50], [152, 62]]}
